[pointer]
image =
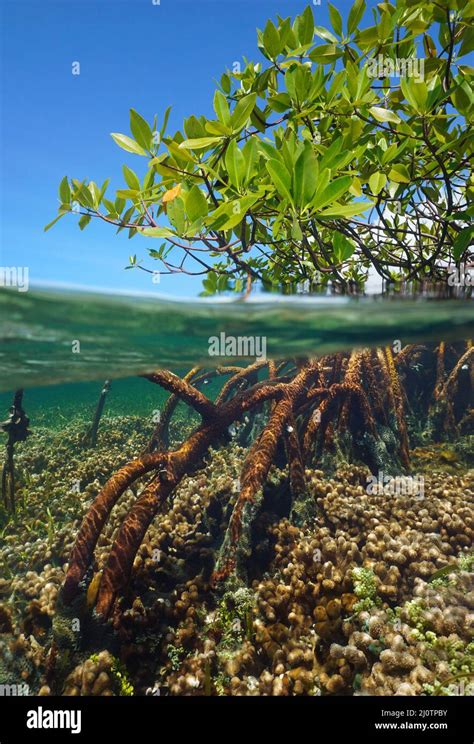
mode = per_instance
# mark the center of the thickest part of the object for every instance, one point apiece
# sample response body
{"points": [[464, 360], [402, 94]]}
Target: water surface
{"points": [[120, 336]]}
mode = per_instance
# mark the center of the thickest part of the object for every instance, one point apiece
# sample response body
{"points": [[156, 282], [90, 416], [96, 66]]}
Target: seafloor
{"points": [[352, 601]]}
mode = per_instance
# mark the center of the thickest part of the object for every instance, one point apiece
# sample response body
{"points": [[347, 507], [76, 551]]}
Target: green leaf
{"points": [[331, 155], [140, 130], [148, 180], [304, 26], [462, 97], [84, 221], [305, 176], [271, 40], [250, 154], [467, 45], [280, 178], [193, 127], [132, 194], [368, 37], [325, 54], [225, 83], [390, 153], [221, 107], [416, 93], [176, 215], [64, 191], [332, 192], [218, 129], [462, 241], [180, 156], [343, 248], [196, 204], [323, 33], [356, 187], [83, 196], [95, 193], [156, 232], [242, 111], [376, 182], [165, 121], [127, 143], [281, 102], [210, 283], [53, 222], [399, 174], [119, 204], [235, 164], [296, 231], [131, 178], [110, 207], [383, 114], [336, 19], [104, 188], [355, 15], [200, 143], [345, 210], [231, 213]]}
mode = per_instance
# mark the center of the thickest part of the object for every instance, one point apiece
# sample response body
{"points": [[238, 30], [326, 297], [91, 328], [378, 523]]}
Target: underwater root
{"points": [[16, 428], [357, 402]]}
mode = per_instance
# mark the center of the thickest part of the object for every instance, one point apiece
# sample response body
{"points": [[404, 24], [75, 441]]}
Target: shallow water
{"points": [[350, 576], [121, 336]]}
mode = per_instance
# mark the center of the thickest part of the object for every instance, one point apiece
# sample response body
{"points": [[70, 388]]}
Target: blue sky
{"points": [[132, 53]]}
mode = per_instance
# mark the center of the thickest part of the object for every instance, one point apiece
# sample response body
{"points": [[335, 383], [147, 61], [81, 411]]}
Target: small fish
{"points": [[93, 590]]}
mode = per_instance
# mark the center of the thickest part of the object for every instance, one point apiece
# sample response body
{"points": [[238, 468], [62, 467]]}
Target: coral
{"points": [[92, 677], [336, 587], [100, 675], [354, 400]]}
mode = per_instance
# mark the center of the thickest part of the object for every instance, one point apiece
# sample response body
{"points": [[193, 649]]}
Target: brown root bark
{"points": [[160, 438], [172, 467], [183, 390], [98, 515], [315, 401]]}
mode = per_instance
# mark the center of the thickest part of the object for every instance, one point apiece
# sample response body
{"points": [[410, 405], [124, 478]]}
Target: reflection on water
{"points": [[52, 337]]}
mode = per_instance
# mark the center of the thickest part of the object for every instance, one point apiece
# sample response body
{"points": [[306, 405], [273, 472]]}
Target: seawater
{"points": [[360, 585]]}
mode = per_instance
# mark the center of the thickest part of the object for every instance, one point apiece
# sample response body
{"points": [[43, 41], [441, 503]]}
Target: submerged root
{"points": [[356, 404]]}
